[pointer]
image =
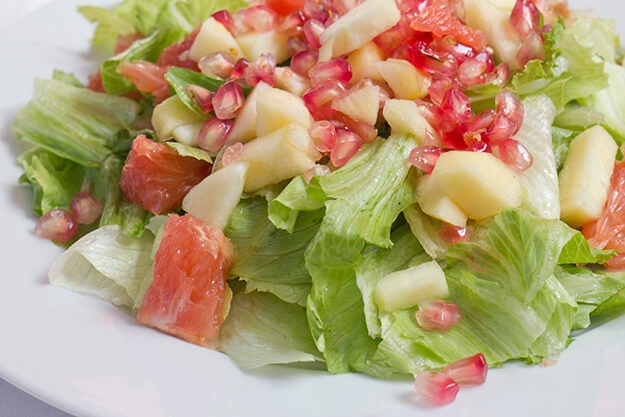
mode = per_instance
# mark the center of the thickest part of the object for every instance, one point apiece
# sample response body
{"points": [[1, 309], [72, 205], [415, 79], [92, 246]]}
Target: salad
{"points": [[419, 187]]}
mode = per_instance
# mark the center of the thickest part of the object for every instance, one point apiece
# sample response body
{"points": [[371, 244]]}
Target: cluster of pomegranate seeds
{"points": [[437, 315], [60, 225], [526, 20], [438, 388]]}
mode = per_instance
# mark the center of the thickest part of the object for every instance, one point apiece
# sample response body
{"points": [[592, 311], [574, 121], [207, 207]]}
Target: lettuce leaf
{"points": [[295, 197]]}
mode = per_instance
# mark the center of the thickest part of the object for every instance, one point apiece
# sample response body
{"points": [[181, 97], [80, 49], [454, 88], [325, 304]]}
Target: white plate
{"points": [[86, 357]]}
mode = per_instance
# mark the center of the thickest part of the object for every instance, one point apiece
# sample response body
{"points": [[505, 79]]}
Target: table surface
{"points": [[13, 401]]}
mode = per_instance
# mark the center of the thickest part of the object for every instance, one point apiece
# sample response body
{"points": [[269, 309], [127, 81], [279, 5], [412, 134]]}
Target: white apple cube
{"points": [[214, 198], [253, 44], [495, 24], [188, 134], [214, 37], [362, 104], [171, 114], [244, 127], [363, 60], [479, 183], [407, 288], [585, 176], [435, 203], [277, 108], [357, 27], [278, 156], [404, 79], [403, 116]]}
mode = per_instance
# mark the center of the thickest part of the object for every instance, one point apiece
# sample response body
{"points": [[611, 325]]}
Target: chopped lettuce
{"points": [[295, 197]]}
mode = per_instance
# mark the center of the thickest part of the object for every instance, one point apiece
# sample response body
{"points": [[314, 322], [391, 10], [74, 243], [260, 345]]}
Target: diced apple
{"points": [[287, 80], [585, 176], [495, 24], [214, 37], [214, 198], [362, 104], [435, 203], [357, 27], [404, 117], [244, 127], [188, 134], [170, 114], [405, 289], [277, 108], [479, 183], [363, 60], [254, 44], [405, 80], [277, 156]]}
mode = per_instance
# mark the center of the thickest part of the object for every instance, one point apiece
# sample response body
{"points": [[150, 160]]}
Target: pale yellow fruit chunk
{"points": [[170, 114], [405, 289], [585, 176], [363, 60], [253, 44], [244, 127], [362, 105], [403, 116], [214, 37], [435, 203], [277, 156], [479, 183], [357, 27], [214, 198], [277, 108], [405, 80], [188, 134]]}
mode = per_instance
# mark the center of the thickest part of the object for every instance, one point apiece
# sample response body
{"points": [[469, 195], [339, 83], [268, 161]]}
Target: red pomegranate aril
{"points": [[260, 18], [531, 48], [477, 145], [480, 121], [203, 97], [367, 132], [510, 105], [323, 134], [295, 45], [435, 388], [214, 133], [57, 225], [437, 315], [225, 18], [500, 75], [303, 61], [239, 23], [347, 145], [501, 129], [468, 371], [261, 70], [217, 65], [312, 30], [228, 100], [428, 60], [319, 98], [314, 10], [232, 154], [86, 208], [425, 157], [456, 105], [525, 17], [512, 153], [292, 22], [449, 45], [316, 171], [454, 234], [337, 69], [238, 72]]}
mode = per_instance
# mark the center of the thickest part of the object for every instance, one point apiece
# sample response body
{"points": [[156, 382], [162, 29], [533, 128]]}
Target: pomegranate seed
{"points": [[510, 105], [238, 72], [261, 70], [456, 105], [292, 22], [203, 97], [260, 18], [323, 133], [347, 145], [439, 86], [425, 157], [437, 315], [468, 371], [314, 10], [239, 23], [448, 45], [225, 18], [232, 154], [500, 75], [435, 388], [367, 132], [501, 129], [531, 48], [86, 208], [214, 133], [217, 65], [435, 116], [525, 17], [475, 142], [312, 30], [303, 61], [454, 234], [57, 225], [295, 45], [428, 60], [286, 79], [337, 69], [228, 100], [319, 98], [316, 171], [512, 153], [481, 121]]}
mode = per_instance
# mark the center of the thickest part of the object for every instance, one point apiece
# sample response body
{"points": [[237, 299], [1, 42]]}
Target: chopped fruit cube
{"points": [[277, 108], [212, 38], [404, 117], [170, 114], [434, 202], [405, 80]]}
